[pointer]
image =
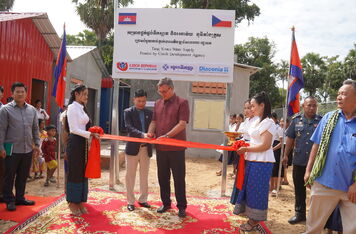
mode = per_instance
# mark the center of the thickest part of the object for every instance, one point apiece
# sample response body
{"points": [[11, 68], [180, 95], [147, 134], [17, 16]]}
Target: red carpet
{"points": [[24, 212], [108, 214]]}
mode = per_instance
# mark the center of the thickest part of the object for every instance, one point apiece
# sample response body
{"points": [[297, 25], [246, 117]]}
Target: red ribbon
{"points": [[93, 166], [169, 141], [241, 166], [93, 169]]}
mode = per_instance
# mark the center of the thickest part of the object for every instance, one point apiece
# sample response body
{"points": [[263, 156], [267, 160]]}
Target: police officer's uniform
{"points": [[301, 129]]}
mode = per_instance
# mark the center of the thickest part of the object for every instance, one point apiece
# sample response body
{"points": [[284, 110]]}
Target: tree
{"points": [[259, 52], [333, 79], [88, 38], [282, 72], [6, 5], [314, 72], [350, 64], [85, 38], [98, 15], [244, 9]]}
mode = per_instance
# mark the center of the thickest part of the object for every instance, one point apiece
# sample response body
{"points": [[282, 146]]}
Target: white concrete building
{"points": [[86, 67]]}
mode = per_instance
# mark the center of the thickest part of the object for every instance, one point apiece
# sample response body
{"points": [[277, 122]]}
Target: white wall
{"points": [[86, 69], [239, 93]]}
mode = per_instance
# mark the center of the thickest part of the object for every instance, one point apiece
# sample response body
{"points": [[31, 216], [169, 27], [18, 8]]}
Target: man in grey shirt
{"points": [[19, 138]]}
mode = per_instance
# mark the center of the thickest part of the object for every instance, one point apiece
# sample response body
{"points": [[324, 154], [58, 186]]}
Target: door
{"points": [[39, 92], [91, 105]]}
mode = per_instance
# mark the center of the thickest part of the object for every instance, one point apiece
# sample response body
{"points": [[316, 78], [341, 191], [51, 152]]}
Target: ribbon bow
{"points": [[241, 167], [93, 169]]}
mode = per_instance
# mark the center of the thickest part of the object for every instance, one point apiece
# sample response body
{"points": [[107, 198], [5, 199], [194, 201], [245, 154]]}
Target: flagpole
{"points": [[59, 146], [60, 103], [285, 117]]}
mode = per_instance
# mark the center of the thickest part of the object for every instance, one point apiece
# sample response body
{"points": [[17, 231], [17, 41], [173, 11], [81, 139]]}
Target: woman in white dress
{"points": [[77, 124], [252, 200]]}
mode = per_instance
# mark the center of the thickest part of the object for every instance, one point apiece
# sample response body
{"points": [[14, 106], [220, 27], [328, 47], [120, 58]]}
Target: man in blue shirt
{"points": [[337, 181]]}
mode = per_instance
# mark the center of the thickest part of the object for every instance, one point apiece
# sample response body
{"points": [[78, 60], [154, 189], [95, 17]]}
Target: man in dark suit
{"points": [[137, 119]]}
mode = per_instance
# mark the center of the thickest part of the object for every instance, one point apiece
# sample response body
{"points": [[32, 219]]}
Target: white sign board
{"points": [[182, 44]]}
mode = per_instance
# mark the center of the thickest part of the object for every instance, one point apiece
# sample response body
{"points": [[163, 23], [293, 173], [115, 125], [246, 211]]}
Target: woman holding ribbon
{"points": [[77, 124], [252, 199]]}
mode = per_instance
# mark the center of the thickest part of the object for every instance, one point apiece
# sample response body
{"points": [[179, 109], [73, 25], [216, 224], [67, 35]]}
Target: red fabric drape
{"points": [[93, 169], [241, 166]]}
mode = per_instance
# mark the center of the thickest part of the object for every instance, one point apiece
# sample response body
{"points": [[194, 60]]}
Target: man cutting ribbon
{"points": [[170, 117]]}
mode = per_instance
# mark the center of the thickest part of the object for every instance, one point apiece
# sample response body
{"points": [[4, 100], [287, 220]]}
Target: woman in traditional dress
{"points": [[77, 124], [252, 200], [243, 128]]}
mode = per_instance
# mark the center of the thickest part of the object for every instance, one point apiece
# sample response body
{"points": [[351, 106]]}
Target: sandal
{"points": [[248, 227], [83, 209], [74, 209], [218, 173]]}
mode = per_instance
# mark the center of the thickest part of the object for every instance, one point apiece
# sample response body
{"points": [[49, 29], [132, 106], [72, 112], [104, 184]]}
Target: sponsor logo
{"points": [[122, 66], [178, 68], [213, 69], [137, 67]]}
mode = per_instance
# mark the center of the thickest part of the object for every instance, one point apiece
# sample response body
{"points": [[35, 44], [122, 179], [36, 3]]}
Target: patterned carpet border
{"points": [[230, 226], [28, 221]]}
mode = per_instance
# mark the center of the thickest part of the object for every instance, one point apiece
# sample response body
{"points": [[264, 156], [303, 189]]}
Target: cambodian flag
{"points": [[296, 80], [127, 18], [60, 72]]}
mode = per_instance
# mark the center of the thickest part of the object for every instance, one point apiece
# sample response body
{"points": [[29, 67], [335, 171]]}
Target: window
{"points": [[209, 114]]}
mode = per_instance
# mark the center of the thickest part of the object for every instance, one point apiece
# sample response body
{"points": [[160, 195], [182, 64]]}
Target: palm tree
{"points": [[6, 5], [98, 15]]}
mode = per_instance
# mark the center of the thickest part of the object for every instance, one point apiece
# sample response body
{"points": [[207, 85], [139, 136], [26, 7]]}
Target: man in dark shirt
{"points": [[170, 117], [298, 139], [137, 119], [19, 137]]}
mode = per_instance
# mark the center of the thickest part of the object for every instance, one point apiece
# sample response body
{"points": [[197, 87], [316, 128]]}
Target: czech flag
{"points": [[60, 72], [219, 21], [127, 18], [296, 80]]}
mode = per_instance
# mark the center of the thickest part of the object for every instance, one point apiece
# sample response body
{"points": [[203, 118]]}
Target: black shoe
{"points": [[181, 213], [11, 206], [163, 209], [131, 207], [297, 219], [144, 204], [25, 203]]}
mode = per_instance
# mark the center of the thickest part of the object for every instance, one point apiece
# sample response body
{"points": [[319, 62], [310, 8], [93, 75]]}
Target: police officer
{"points": [[298, 135]]}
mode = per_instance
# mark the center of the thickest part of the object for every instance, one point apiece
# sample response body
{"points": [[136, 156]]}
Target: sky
{"points": [[326, 27]]}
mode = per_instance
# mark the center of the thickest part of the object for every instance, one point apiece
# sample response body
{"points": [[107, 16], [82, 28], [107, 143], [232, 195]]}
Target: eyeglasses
{"points": [[164, 91]]}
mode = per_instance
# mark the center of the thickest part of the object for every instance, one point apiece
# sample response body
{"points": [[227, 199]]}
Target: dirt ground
{"points": [[201, 181]]}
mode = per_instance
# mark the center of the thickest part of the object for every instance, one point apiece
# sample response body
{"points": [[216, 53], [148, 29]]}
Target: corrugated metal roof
{"points": [[77, 51], [7, 16], [252, 69], [44, 26]]}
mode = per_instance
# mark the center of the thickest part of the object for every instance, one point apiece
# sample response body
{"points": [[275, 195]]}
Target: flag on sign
{"points": [[296, 80], [127, 18], [219, 21], [60, 72]]}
